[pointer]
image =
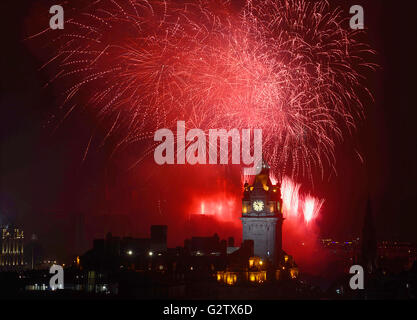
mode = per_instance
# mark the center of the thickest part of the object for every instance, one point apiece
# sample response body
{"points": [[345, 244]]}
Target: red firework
{"points": [[289, 67]]}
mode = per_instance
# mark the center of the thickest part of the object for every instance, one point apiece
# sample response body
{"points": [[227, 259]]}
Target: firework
{"points": [[296, 205], [290, 197], [311, 208], [291, 68]]}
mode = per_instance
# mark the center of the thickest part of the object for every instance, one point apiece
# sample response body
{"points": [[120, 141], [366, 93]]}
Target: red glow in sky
{"points": [[224, 207]]}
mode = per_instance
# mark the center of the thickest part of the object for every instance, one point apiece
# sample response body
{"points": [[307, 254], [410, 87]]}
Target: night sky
{"points": [[45, 183]]}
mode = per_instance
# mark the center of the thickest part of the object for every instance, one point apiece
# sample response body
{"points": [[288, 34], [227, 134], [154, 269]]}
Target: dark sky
{"points": [[44, 183]]}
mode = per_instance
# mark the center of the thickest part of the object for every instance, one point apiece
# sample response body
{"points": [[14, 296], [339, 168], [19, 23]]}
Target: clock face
{"points": [[258, 205]]}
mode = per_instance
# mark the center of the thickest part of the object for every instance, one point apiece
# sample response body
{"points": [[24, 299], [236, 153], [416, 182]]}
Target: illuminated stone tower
{"points": [[262, 216]]}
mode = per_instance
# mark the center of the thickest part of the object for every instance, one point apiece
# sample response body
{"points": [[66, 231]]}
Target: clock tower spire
{"points": [[262, 216]]}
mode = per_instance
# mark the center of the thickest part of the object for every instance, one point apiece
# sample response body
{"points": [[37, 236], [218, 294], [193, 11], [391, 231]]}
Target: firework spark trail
{"points": [[311, 208], [288, 67], [290, 197], [296, 205]]}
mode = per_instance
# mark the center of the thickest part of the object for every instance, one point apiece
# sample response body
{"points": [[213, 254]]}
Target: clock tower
{"points": [[262, 216]]}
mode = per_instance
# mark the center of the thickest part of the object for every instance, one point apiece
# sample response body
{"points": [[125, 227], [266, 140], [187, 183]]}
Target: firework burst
{"points": [[290, 67]]}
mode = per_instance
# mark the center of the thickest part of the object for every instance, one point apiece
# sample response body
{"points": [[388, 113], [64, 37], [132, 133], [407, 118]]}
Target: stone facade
{"points": [[263, 232]]}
